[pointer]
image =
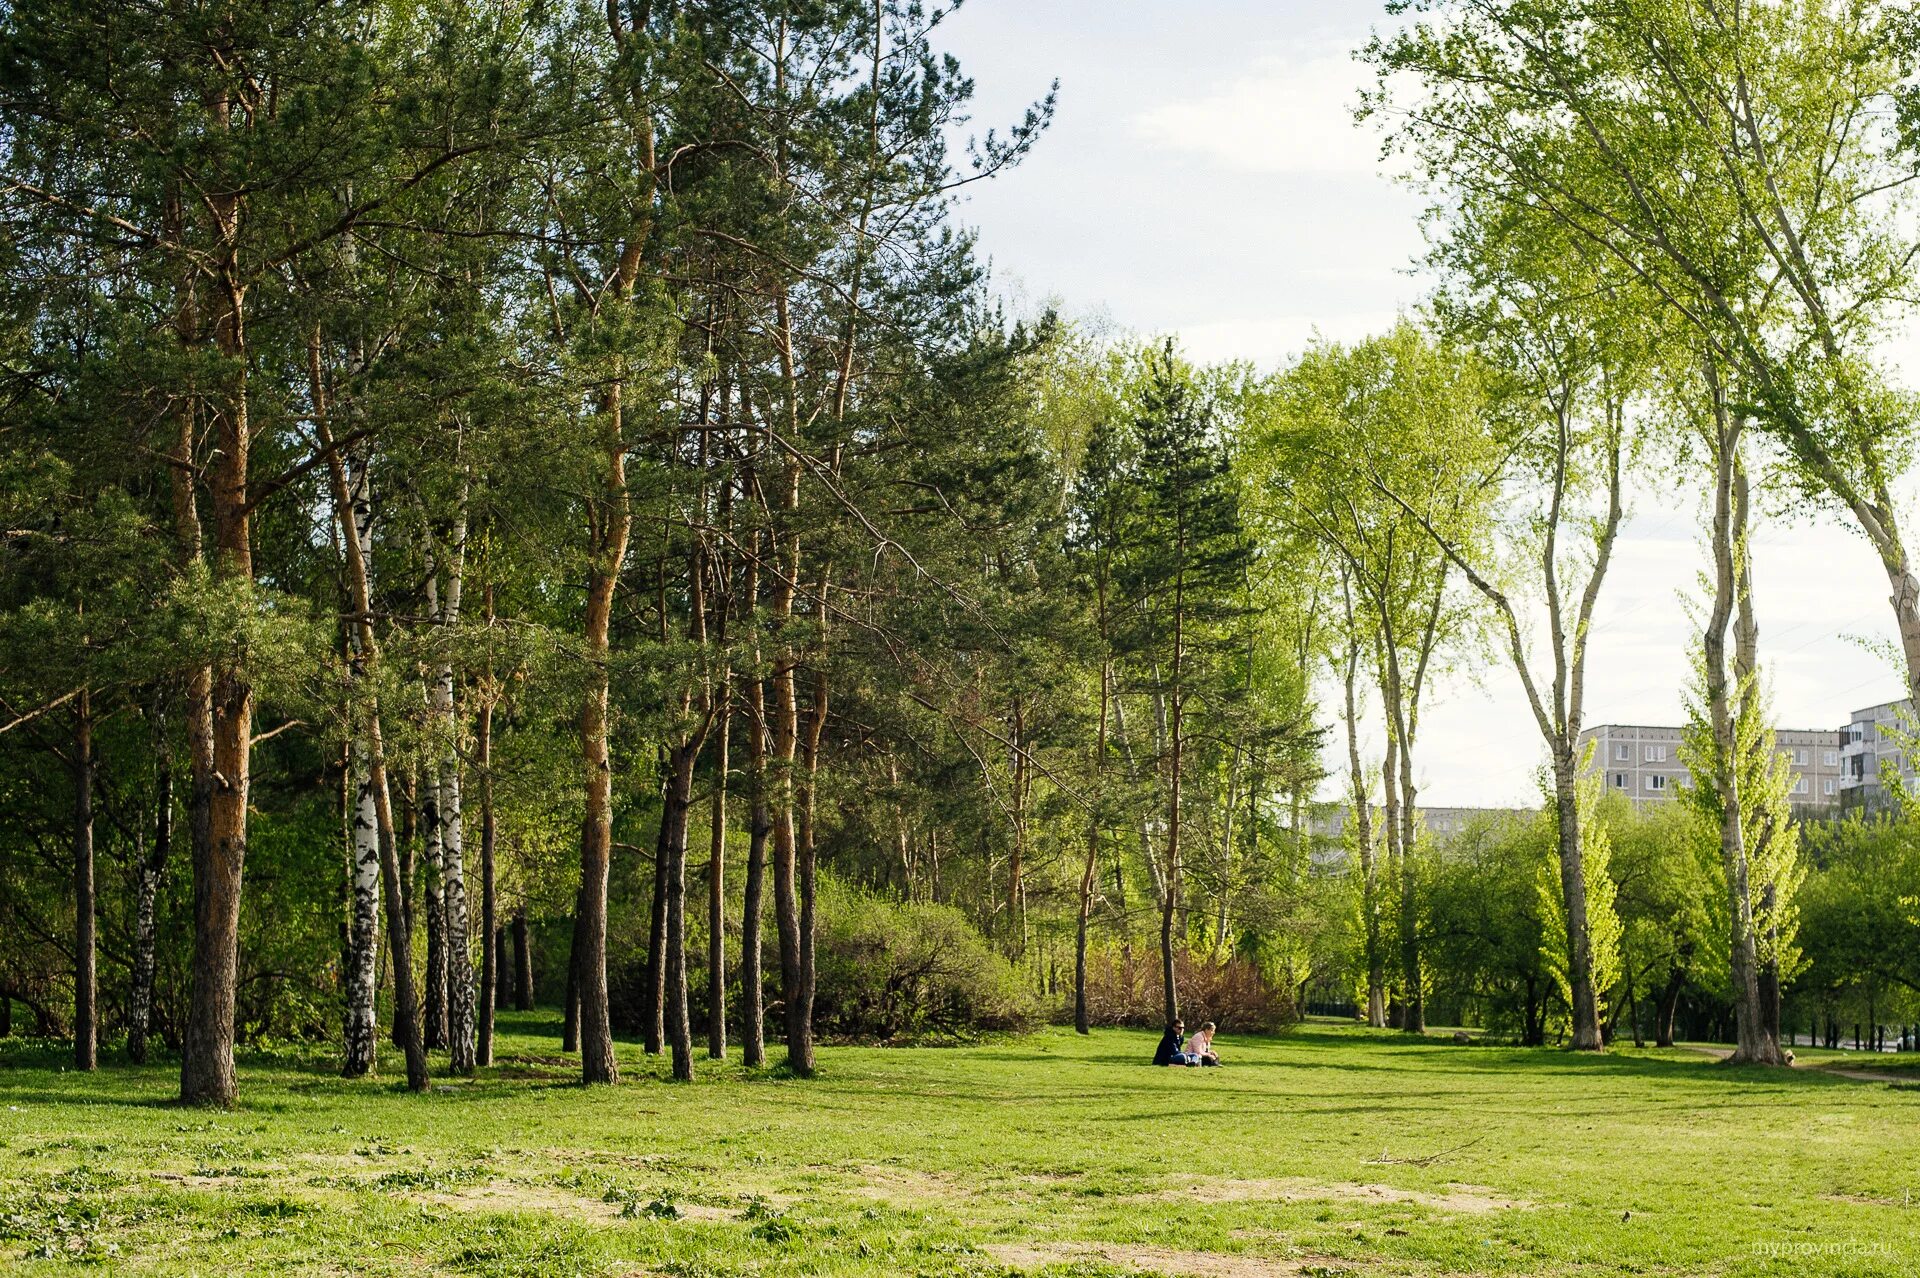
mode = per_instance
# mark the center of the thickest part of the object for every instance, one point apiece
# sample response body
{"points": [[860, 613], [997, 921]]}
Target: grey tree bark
{"points": [[1752, 1045], [456, 940], [149, 865], [359, 1030], [433, 899], [1363, 830], [86, 1030]]}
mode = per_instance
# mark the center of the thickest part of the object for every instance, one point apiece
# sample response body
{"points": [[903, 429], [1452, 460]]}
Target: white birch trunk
{"points": [[460, 993], [363, 929]]}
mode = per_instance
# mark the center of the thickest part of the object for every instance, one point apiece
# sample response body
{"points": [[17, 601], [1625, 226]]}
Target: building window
{"points": [[1830, 758], [1656, 782], [1656, 754], [1826, 787], [1622, 752], [1619, 780], [1800, 757], [1799, 785]]}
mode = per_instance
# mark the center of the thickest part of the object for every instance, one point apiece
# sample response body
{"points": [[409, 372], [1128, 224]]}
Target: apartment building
{"points": [[1329, 827], [1873, 738], [1643, 762]]}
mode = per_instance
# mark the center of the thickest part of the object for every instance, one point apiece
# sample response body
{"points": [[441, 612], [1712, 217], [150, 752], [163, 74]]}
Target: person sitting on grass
{"points": [[1200, 1046], [1169, 1053]]}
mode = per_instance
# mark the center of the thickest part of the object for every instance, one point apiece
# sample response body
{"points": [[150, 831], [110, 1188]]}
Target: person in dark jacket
{"points": [[1169, 1053]]}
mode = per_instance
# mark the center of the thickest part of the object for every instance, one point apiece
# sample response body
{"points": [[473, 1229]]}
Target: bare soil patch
{"points": [[1466, 1199], [1166, 1260], [909, 1184], [513, 1195], [556, 1200]]}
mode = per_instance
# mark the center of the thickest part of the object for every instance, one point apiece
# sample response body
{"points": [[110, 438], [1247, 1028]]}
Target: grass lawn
{"points": [[1330, 1150]]}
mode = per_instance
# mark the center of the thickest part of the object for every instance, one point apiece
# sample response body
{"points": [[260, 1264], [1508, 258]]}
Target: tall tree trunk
{"points": [[1090, 870], [502, 974], [656, 971], [1395, 855], [86, 1030], [795, 1005], [490, 973], [359, 1029], [1016, 861], [570, 1000], [679, 802], [1585, 1008], [807, 869], [433, 897], [1669, 1005], [206, 1066], [753, 1040], [406, 1016], [1751, 1045], [148, 870], [1401, 703], [457, 940], [522, 964], [1746, 669], [717, 887], [596, 831], [1170, 901], [404, 850], [1363, 836]]}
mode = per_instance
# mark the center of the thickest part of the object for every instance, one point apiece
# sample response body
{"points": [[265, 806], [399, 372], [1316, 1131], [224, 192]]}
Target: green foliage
{"points": [[892, 970], [1603, 920], [1770, 836], [1860, 918]]}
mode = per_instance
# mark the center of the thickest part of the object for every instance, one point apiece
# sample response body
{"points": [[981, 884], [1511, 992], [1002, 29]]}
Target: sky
{"points": [[1203, 178]]}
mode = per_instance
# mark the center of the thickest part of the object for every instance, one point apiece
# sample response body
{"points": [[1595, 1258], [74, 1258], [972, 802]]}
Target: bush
{"points": [[1123, 988], [889, 970], [884, 971]]}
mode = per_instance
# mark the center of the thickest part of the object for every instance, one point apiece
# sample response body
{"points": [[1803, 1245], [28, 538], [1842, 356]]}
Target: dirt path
{"points": [[1857, 1075]]}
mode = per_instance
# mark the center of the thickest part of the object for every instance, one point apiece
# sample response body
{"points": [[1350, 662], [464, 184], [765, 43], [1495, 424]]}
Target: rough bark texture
{"points": [[785, 731], [86, 1029], [148, 870], [570, 1000], [406, 1016], [457, 937], [433, 898], [1573, 893], [753, 1015], [1751, 1045], [1395, 855], [609, 544], [498, 979], [717, 891], [1363, 836], [1669, 1006], [655, 1002], [359, 1030], [493, 937], [206, 1065], [522, 964], [1090, 870], [679, 802]]}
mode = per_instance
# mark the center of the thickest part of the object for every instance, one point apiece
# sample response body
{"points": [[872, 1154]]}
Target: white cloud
{"points": [[1286, 114]]}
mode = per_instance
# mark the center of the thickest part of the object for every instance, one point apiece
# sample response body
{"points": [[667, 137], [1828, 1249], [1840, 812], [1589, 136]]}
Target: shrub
{"points": [[890, 970], [884, 971], [1123, 988]]}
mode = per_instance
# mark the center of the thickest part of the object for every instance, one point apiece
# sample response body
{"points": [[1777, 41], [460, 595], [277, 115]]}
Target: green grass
{"points": [[1329, 1150]]}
